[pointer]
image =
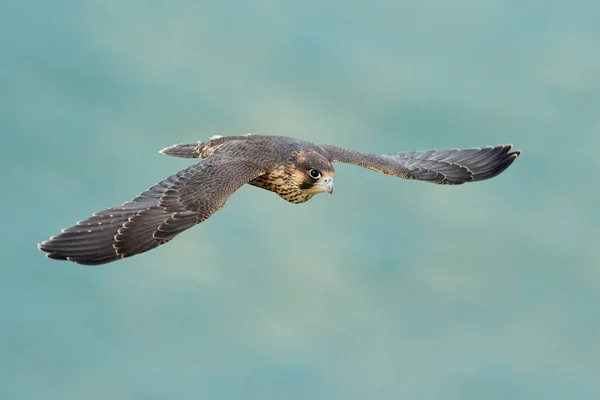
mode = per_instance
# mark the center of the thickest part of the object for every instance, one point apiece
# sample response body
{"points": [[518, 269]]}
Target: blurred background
{"points": [[388, 289]]}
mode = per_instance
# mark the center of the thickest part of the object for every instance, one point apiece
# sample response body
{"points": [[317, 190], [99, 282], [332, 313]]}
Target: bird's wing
{"points": [[451, 167], [155, 216]]}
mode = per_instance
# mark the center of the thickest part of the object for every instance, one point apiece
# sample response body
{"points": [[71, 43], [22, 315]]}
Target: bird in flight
{"points": [[295, 170]]}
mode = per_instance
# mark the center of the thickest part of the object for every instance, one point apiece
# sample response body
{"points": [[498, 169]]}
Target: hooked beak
{"points": [[327, 185]]}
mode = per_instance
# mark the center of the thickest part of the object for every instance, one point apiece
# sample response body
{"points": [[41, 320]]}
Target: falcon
{"points": [[294, 169]]}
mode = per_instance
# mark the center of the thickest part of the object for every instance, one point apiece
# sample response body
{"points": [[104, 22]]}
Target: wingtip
{"points": [[53, 255], [510, 159], [509, 147], [43, 246]]}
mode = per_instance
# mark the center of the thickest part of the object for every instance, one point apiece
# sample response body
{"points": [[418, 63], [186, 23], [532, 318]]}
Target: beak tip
{"points": [[327, 185]]}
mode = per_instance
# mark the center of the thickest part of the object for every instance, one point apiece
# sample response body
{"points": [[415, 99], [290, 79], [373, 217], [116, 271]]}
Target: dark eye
{"points": [[314, 174]]}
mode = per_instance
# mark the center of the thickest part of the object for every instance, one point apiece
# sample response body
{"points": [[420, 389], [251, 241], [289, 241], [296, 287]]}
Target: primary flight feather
{"points": [[294, 169]]}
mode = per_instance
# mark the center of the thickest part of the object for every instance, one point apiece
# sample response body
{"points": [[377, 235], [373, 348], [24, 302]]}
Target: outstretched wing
{"points": [[450, 167], [155, 216]]}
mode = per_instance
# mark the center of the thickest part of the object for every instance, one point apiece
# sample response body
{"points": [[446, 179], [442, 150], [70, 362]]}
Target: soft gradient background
{"points": [[386, 290]]}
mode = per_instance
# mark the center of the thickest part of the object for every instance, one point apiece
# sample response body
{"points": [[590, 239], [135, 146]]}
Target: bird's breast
{"points": [[272, 180], [275, 181]]}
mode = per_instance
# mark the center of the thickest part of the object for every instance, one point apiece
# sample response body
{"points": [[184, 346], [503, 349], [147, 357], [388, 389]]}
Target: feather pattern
{"points": [[155, 216], [451, 167]]}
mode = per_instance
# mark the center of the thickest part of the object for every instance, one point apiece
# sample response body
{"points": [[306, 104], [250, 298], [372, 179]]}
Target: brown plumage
{"points": [[294, 169]]}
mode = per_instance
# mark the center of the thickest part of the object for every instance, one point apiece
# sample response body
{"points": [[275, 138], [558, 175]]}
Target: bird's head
{"points": [[307, 173]]}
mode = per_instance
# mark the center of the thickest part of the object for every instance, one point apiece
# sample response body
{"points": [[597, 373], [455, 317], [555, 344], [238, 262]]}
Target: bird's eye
{"points": [[314, 174]]}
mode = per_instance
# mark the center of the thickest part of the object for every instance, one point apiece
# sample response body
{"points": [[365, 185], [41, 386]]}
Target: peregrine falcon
{"points": [[295, 170]]}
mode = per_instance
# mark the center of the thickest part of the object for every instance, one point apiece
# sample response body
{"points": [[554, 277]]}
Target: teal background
{"points": [[386, 290]]}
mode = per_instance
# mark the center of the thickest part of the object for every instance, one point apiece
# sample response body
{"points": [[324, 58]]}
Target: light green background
{"points": [[386, 290]]}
